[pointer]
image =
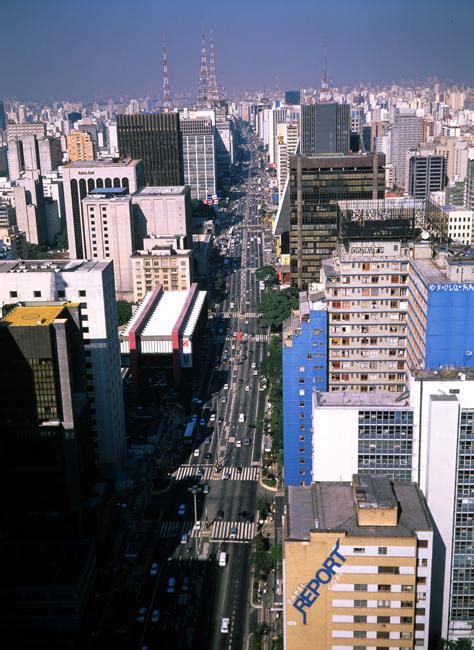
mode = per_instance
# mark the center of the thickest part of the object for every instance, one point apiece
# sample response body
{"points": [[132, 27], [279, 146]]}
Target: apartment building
{"points": [[357, 565], [161, 262]]}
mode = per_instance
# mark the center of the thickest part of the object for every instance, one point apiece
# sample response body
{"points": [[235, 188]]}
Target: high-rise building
{"points": [[358, 565], [80, 146], [424, 435], [161, 262], [90, 283], [469, 186], [224, 146], [199, 156], [108, 233], [3, 119], [406, 134], [426, 173], [316, 184], [46, 457], [30, 208], [21, 130], [287, 139], [325, 129], [80, 178], [292, 97], [50, 154], [154, 138]]}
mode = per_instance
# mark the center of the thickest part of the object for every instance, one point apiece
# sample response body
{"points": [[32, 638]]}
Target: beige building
{"points": [[162, 262], [287, 138], [108, 234], [80, 146], [357, 566], [14, 241]]}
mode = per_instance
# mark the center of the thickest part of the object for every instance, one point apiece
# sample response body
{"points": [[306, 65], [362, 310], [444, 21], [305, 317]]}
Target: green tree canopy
{"points": [[275, 306], [124, 311], [268, 274]]}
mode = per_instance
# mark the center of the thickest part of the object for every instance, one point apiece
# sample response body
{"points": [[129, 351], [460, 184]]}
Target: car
{"points": [[238, 443], [212, 418], [223, 400], [205, 488], [184, 538], [171, 585], [185, 584], [154, 569], [199, 471], [247, 388], [202, 422], [247, 442], [194, 418], [253, 365], [196, 453], [226, 476], [225, 625], [208, 456], [141, 615], [155, 616], [220, 515], [196, 400], [207, 440], [233, 532], [226, 386], [241, 417], [255, 373], [181, 509], [246, 322]]}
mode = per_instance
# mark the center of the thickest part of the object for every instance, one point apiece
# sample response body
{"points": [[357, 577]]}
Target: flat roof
{"points": [[108, 190], [355, 398], [33, 316], [195, 312], [165, 314], [330, 506], [161, 190], [35, 266], [82, 164]]}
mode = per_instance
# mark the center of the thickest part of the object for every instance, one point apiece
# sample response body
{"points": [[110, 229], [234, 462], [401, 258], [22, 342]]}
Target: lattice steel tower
{"points": [[213, 92], [203, 90], [166, 81]]}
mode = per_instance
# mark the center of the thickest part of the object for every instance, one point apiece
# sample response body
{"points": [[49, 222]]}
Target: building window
{"points": [[382, 550], [301, 368], [360, 634], [358, 618], [360, 587], [384, 587], [422, 543], [389, 569], [13, 294], [37, 294], [359, 549], [301, 380], [82, 293], [383, 619], [61, 293], [360, 603]]}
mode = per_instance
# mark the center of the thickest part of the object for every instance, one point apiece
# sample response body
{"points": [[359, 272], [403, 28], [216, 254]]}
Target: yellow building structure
{"points": [[357, 566]]}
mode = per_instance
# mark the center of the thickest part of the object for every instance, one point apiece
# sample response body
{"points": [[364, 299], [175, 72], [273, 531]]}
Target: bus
{"points": [[188, 432]]}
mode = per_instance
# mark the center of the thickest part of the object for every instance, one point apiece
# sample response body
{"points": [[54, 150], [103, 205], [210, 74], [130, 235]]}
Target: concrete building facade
{"points": [[199, 156], [161, 262], [80, 146]]}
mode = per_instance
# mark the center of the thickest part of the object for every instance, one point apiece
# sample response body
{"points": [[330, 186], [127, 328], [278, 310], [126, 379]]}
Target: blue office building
{"points": [[304, 370], [441, 308]]}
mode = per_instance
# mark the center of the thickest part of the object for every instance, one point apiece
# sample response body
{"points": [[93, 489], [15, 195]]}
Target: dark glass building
{"points": [[317, 183], [154, 138], [46, 448], [325, 128], [292, 97], [426, 174]]}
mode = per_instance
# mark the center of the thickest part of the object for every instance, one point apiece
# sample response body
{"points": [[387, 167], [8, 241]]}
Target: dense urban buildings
{"points": [[155, 139]]}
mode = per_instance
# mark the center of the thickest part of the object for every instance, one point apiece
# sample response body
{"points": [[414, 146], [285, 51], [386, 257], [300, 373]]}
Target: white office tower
{"points": [[199, 156], [406, 134], [425, 435], [90, 283], [287, 138]]}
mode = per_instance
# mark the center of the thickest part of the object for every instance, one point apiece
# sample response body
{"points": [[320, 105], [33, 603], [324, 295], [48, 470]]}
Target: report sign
{"points": [[323, 576]]}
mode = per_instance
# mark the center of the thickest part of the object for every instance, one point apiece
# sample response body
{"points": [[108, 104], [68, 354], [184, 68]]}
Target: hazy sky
{"points": [[87, 49]]}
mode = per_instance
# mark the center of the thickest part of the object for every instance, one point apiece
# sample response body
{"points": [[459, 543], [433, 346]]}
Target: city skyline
{"points": [[110, 56]]}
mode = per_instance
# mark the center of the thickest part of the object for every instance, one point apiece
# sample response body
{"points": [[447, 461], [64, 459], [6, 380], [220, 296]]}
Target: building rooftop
{"points": [[35, 266], [165, 314], [173, 190], [83, 164], [330, 506], [33, 316], [446, 373], [354, 398]]}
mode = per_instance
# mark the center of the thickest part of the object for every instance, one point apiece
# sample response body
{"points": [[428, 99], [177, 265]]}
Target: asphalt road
{"points": [[189, 594]]}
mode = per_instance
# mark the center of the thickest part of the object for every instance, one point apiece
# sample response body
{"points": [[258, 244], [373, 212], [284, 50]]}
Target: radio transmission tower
{"points": [[213, 94], [166, 82], [203, 89]]}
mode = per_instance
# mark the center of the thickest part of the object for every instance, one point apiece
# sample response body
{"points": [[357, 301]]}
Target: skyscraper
{"points": [[426, 173], [323, 181], [154, 138], [325, 128], [406, 134], [90, 283], [199, 155], [80, 146], [3, 119], [469, 186]]}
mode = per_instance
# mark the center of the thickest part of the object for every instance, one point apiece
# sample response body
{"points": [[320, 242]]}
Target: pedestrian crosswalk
{"points": [[200, 472], [233, 474], [170, 529], [250, 314], [232, 531], [261, 338]]}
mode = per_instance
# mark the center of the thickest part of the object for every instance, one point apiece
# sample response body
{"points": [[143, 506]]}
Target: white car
{"points": [[212, 418], [225, 625], [254, 365], [226, 386], [255, 373], [196, 453], [238, 443], [247, 388], [226, 476]]}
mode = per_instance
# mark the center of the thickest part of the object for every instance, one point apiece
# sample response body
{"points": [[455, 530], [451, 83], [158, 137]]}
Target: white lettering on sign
{"points": [[451, 287]]}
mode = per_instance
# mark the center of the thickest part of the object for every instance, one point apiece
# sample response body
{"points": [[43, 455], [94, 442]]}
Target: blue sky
{"points": [[86, 49]]}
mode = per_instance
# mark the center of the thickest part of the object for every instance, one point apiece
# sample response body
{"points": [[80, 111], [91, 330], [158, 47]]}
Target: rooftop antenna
{"points": [[166, 81], [213, 92], [203, 88]]}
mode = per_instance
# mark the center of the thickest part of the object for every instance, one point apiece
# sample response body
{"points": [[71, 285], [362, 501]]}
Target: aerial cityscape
{"points": [[237, 325]]}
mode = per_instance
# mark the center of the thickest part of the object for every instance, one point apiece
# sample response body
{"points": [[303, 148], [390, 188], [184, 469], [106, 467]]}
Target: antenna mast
{"points": [[213, 94], [166, 81], [202, 99]]}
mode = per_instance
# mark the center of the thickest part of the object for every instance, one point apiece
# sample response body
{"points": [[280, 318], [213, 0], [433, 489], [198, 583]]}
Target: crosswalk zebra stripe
{"points": [[170, 529], [220, 531], [261, 338], [247, 474], [187, 471]]}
